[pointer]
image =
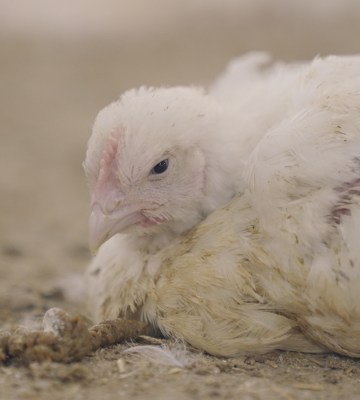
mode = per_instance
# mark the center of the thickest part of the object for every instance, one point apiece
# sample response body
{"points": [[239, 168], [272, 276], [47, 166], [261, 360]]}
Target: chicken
{"points": [[164, 158], [278, 265]]}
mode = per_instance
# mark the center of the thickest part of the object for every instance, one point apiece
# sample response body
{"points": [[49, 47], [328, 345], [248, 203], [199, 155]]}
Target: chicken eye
{"points": [[161, 167]]}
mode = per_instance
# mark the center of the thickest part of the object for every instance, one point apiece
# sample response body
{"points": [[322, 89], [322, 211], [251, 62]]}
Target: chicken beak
{"points": [[103, 226]]}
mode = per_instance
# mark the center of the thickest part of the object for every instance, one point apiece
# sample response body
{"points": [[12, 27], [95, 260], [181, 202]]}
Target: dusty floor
{"points": [[50, 92]]}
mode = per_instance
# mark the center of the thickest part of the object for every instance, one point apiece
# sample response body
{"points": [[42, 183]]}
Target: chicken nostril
{"points": [[108, 204], [111, 207]]}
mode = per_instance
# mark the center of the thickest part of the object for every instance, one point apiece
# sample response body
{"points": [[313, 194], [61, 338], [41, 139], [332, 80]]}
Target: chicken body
{"points": [[278, 266]]}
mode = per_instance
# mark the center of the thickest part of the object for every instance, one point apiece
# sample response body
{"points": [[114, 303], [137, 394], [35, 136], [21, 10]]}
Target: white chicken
{"points": [[278, 266]]}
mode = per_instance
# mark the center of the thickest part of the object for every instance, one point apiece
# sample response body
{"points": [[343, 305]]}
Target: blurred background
{"points": [[61, 61]]}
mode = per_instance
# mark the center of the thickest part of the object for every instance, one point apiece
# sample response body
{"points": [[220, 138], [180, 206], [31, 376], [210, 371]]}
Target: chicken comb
{"points": [[107, 177]]}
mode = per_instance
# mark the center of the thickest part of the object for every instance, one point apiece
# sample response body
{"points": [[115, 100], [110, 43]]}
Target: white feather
{"points": [[176, 356]]}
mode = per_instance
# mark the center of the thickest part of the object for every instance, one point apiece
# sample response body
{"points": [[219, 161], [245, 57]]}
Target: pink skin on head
{"points": [[106, 194], [111, 212], [147, 222]]}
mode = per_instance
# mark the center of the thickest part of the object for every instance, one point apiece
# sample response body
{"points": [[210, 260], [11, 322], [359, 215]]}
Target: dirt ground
{"points": [[50, 92]]}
